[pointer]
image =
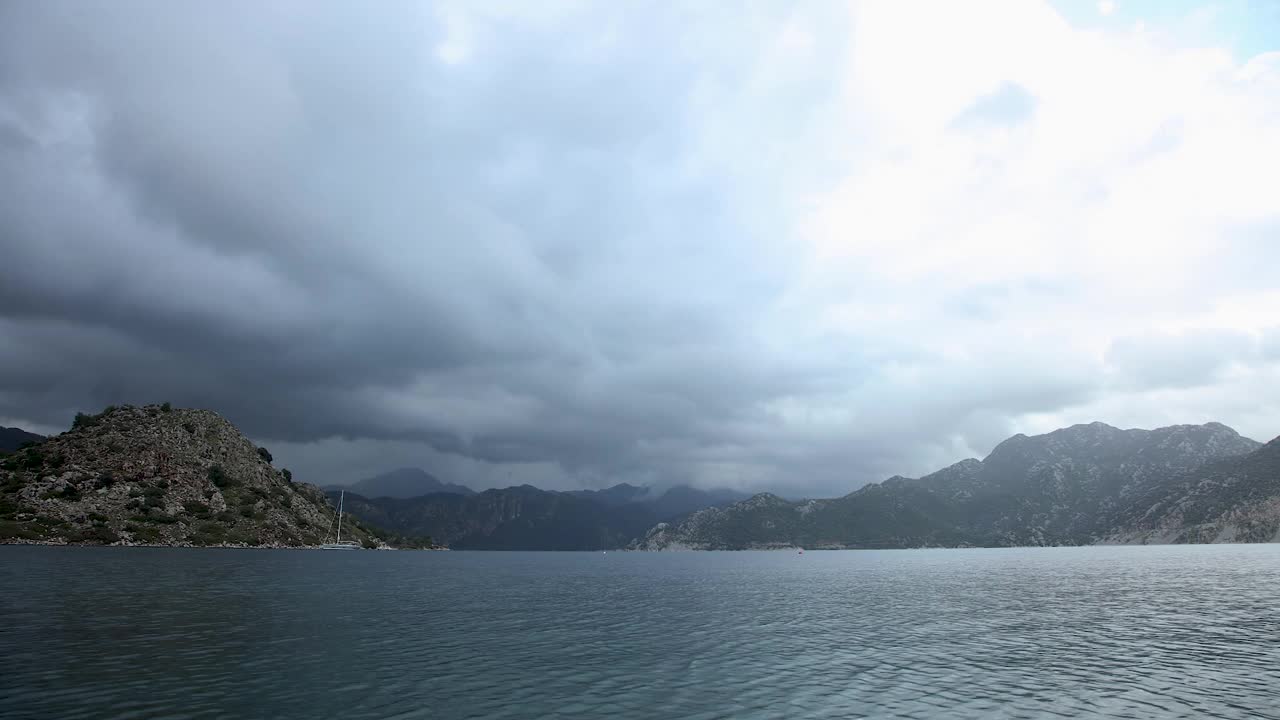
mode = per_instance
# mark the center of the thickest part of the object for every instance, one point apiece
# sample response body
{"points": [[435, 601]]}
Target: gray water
{"points": [[1027, 633]]}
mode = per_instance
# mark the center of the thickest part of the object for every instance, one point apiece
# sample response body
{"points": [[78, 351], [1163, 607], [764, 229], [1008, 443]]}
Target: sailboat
{"points": [[338, 543]]}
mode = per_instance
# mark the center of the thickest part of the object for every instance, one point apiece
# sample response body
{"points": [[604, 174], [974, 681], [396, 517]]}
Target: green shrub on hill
{"points": [[220, 478]]}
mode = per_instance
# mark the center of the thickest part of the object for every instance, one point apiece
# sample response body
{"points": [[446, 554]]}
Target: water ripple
{"points": [[1037, 633]]}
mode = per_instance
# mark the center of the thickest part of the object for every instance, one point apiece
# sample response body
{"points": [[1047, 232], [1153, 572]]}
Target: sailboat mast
{"points": [[341, 497]]}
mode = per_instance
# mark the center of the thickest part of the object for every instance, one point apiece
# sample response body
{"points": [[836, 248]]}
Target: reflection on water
{"points": [[1028, 633]]}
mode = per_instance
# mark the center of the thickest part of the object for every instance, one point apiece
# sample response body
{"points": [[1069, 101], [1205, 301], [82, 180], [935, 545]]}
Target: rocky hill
{"points": [[764, 521], [1235, 499], [159, 476], [1067, 487]]}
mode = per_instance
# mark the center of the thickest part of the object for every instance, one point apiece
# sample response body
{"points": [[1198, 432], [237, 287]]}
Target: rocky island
{"points": [[157, 475]]}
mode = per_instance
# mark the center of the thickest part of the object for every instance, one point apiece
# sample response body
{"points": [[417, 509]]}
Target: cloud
{"points": [[789, 248], [1271, 343], [1185, 360], [1008, 106]]}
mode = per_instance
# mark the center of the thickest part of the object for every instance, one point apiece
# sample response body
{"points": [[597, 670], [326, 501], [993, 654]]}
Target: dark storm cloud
{"points": [[568, 244], [302, 218]]}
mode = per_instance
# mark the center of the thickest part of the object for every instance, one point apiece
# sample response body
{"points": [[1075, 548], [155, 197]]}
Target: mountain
{"points": [[527, 518], [1234, 499], [13, 438], [620, 494], [674, 502], [1067, 487], [403, 483], [514, 518], [885, 515], [682, 500], [159, 476]]}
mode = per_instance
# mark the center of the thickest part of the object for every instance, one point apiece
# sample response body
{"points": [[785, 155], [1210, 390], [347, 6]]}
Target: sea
{"points": [[1091, 632]]}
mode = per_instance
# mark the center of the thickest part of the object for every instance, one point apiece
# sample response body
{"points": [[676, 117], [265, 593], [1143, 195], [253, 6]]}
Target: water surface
{"points": [[1019, 633]]}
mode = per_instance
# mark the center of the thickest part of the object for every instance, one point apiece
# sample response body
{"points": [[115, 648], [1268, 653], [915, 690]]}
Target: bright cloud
{"points": [[1134, 193]]}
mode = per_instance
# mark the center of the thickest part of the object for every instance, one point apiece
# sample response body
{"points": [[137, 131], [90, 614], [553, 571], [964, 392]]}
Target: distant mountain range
{"points": [[514, 518], [13, 438], [528, 518], [620, 494], [161, 475], [402, 483], [1079, 485], [669, 503]]}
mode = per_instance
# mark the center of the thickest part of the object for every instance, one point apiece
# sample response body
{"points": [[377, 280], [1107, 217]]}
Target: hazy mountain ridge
{"points": [[620, 494], [1068, 487], [682, 500], [159, 476], [402, 483], [515, 518], [528, 518], [670, 503], [13, 438]]}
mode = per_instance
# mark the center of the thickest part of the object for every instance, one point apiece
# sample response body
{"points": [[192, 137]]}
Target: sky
{"points": [[787, 246]]}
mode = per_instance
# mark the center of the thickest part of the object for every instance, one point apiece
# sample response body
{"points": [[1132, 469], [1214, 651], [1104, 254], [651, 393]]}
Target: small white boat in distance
{"points": [[338, 543]]}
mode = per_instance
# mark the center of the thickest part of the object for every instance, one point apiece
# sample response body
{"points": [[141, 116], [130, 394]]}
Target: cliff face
{"points": [[154, 475]]}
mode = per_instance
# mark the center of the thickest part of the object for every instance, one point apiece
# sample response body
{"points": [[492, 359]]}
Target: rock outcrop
{"points": [[159, 476]]}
